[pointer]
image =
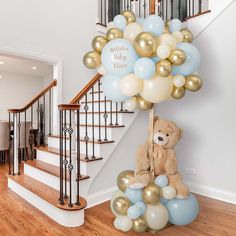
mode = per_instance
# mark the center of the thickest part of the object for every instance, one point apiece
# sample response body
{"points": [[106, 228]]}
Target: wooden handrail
{"points": [[35, 99]]}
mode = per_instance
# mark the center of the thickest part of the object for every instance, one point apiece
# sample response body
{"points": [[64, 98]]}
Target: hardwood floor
{"points": [[19, 218]]}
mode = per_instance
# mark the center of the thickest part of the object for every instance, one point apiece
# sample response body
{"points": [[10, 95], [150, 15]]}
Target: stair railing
{"points": [[167, 9], [76, 142], [28, 127]]}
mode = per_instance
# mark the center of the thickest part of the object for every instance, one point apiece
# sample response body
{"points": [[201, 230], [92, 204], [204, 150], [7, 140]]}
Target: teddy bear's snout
{"points": [[160, 138]]}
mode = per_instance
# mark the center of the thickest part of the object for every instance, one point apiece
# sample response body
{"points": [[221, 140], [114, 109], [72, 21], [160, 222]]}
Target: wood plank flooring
{"points": [[19, 218]]}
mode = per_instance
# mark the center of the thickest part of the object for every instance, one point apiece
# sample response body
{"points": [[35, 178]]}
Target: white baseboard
{"points": [[215, 193]]}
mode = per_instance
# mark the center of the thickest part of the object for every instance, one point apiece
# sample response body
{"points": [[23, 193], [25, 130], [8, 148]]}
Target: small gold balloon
{"points": [[92, 60], [130, 16], [140, 225], [142, 104], [98, 43], [124, 178], [188, 36], [193, 83], [177, 57], [121, 205], [163, 68], [114, 33], [178, 93], [146, 44], [151, 194]]}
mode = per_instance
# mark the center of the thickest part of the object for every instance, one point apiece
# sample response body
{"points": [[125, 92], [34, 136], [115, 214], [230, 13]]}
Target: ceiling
{"points": [[23, 66]]}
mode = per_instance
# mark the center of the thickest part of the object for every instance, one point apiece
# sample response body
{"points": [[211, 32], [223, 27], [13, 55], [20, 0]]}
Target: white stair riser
{"points": [[62, 217], [96, 132]]}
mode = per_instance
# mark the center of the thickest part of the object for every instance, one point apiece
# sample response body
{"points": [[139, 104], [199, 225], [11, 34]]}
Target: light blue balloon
{"points": [[134, 195], [144, 68], [161, 181], [142, 206], [163, 200], [140, 20], [154, 24], [183, 211], [111, 89], [134, 212], [118, 57], [192, 61], [156, 59], [175, 25], [120, 22]]}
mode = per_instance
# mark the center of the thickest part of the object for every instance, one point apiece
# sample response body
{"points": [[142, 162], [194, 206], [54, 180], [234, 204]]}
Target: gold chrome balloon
{"points": [[177, 57], [188, 36], [114, 33], [124, 178], [98, 43], [130, 16], [140, 225], [178, 93], [92, 60], [121, 205], [146, 44], [193, 83], [151, 194], [163, 68], [142, 104]]}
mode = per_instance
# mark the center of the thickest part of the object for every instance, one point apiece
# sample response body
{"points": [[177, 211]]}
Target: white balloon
{"points": [[110, 25], [131, 85], [163, 51], [131, 104], [132, 30], [156, 216], [168, 192], [116, 223], [157, 89], [101, 70], [124, 223], [179, 81], [168, 39], [178, 36]]}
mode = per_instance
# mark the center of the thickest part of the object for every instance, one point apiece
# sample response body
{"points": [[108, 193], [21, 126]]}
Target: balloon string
{"points": [[151, 130]]}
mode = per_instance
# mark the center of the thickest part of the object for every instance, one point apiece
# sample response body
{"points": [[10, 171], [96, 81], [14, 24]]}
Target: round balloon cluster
{"points": [[151, 208], [145, 61]]}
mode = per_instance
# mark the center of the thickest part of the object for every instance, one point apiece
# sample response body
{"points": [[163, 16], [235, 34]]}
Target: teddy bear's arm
{"points": [[171, 162]]}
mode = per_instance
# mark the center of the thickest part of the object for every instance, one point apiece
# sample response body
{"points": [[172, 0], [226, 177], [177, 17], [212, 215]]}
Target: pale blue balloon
{"points": [[192, 61], [134, 212], [154, 24], [183, 211], [175, 25], [156, 59], [118, 57], [144, 68], [134, 195], [142, 206], [111, 89], [120, 22], [161, 181], [140, 20]]}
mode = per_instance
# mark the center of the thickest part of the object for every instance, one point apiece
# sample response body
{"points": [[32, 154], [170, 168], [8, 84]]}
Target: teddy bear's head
{"points": [[166, 133]]}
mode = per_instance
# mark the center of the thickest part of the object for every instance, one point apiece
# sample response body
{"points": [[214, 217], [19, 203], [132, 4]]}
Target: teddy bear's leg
{"points": [[175, 181], [140, 180]]}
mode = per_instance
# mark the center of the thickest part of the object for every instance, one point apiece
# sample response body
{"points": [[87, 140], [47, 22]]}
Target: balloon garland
{"points": [[145, 61]]}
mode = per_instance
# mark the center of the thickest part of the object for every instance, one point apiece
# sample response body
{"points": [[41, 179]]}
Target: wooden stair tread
{"points": [[45, 192], [57, 152], [50, 169]]}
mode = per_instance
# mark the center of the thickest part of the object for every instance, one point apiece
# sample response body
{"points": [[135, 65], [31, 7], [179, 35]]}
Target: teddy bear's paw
{"points": [[137, 186]]}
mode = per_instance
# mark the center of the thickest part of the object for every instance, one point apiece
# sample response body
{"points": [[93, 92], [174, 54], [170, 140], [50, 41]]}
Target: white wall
{"points": [[17, 90]]}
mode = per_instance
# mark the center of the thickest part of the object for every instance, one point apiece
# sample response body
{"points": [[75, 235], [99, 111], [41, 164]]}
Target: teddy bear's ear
{"points": [[181, 132]]}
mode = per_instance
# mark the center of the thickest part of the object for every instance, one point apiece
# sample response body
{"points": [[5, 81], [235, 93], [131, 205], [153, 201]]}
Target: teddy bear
{"points": [[165, 136]]}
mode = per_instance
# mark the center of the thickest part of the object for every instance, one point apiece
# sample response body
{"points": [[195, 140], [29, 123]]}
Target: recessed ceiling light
{"points": [[1, 62], [34, 68]]}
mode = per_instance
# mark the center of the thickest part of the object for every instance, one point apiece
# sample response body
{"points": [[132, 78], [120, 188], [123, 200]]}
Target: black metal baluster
{"points": [[38, 126], [105, 118], [61, 199], [31, 133], [65, 155], [93, 155], [105, 11], [25, 149], [163, 9], [172, 9], [13, 145], [139, 8], [70, 166], [179, 9], [111, 113], [9, 155], [200, 6], [189, 8], [44, 120], [50, 112], [19, 139], [121, 106], [144, 8], [86, 137], [167, 5], [116, 114], [99, 111], [78, 158], [193, 12], [101, 12]]}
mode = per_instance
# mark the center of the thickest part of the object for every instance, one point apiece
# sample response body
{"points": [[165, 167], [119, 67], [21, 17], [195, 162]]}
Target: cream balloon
{"points": [[101, 70], [179, 81], [156, 216], [131, 85], [178, 36], [168, 192], [157, 89], [125, 223], [132, 30], [131, 104], [168, 39], [163, 51]]}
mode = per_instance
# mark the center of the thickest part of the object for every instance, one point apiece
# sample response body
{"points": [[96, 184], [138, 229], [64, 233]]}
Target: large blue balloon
{"points": [[183, 211], [118, 57], [154, 24], [144, 68], [134, 195], [120, 22], [111, 89], [192, 60]]}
